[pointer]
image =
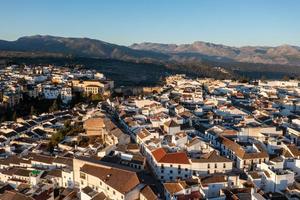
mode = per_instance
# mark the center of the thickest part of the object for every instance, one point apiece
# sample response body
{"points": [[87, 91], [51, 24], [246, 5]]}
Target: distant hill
{"points": [[198, 58], [78, 47], [155, 52], [283, 55]]}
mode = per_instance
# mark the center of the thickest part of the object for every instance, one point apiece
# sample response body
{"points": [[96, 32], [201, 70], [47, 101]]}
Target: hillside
{"points": [[78, 47], [155, 52], [283, 55], [156, 60]]}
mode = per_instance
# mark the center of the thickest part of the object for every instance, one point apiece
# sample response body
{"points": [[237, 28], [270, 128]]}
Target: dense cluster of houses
{"points": [[49, 82], [192, 139], [208, 138]]}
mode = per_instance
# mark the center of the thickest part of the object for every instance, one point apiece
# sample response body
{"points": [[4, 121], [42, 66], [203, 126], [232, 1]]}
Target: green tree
{"points": [[50, 147], [22, 81], [14, 116], [96, 97], [286, 78], [263, 78], [3, 118], [32, 110], [56, 138], [244, 79], [54, 106], [67, 124]]}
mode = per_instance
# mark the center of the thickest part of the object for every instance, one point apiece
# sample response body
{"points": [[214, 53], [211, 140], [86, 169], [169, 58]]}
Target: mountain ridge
{"points": [[283, 54], [83, 47], [155, 52]]}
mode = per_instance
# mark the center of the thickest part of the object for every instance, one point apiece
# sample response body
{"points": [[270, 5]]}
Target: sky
{"points": [[229, 22]]}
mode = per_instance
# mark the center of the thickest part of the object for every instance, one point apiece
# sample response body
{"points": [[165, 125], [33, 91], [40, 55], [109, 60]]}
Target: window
{"points": [[171, 165], [216, 166], [208, 166], [100, 183], [224, 165], [162, 177], [171, 177], [186, 169], [107, 188], [82, 175], [114, 192], [171, 171]]}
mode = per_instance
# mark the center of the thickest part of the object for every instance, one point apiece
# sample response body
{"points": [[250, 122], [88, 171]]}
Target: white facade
{"points": [[210, 167], [50, 92], [66, 94]]}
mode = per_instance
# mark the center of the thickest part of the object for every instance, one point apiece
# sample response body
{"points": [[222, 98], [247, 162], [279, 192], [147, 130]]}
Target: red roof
{"points": [[162, 156], [193, 195], [158, 153]]}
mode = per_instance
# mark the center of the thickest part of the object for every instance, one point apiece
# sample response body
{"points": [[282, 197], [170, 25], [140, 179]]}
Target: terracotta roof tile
{"points": [[212, 157], [13, 195], [94, 123], [294, 150], [162, 156], [121, 180], [148, 193], [171, 123], [158, 153], [240, 152], [173, 188], [143, 133], [205, 181]]}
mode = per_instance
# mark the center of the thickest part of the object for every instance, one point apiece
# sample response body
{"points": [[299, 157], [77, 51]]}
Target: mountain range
{"points": [[283, 55], [78, 47], [154, 52], [148, 63]]}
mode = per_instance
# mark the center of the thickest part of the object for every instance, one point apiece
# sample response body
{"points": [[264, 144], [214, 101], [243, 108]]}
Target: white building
{"points": [[66, 94], [50, 92]]}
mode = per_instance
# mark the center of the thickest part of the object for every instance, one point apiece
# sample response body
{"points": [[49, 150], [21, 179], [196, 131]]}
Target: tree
{"points": [[22, 81], [32, 110], [67, 124], [54, 106], [50, 147], [96, 97], [286, 78], [244, 79], [88, 97], [263, 78], [14, 116], [56, 138], [3, 118], [83, 141]]}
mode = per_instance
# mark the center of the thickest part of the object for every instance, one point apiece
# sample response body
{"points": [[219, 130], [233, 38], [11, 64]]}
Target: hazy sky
{"points": [[230, 22]]}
